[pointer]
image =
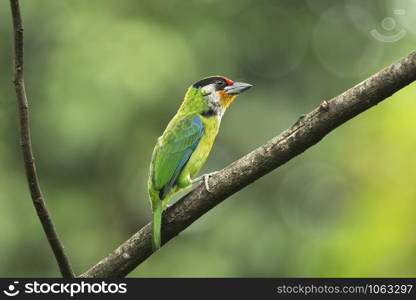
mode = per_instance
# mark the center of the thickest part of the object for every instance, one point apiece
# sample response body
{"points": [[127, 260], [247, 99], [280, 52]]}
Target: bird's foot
{"points": [[205, 178]]}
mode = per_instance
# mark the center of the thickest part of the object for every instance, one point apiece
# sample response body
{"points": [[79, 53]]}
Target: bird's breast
{"points": [[200, 155]]}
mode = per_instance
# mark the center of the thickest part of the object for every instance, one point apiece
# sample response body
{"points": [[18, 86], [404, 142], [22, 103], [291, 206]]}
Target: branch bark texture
{"points": [[306, 132], [26, 144]]}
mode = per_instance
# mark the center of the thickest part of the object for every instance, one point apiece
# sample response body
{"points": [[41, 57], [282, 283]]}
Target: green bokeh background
{"points": [[104, 78]]}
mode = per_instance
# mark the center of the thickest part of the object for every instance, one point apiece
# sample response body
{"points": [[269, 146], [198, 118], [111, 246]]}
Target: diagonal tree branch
{"points": [[306, 132], [26, 144]]}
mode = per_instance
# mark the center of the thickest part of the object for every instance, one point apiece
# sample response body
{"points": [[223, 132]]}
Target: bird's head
{"points": [[219, 91]]}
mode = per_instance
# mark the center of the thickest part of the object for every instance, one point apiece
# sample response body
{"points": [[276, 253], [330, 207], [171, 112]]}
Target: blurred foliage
{"points": [[104, 78]]}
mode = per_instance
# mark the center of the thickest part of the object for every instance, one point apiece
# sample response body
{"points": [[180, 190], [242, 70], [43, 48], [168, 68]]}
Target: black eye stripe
{"points": [[221, 84], [210, 80]]}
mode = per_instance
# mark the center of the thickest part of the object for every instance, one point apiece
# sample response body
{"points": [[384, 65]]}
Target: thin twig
{"points": [[26, 144], [306, 132]]}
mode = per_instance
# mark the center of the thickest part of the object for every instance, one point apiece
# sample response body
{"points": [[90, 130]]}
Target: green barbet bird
{"points": [[183, 148]]}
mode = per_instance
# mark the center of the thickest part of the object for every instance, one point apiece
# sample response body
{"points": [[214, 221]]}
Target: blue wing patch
{"points": [[196, 129]]}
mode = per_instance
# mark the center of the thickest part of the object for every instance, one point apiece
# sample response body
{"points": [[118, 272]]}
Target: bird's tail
{"points": [[156, 226]]}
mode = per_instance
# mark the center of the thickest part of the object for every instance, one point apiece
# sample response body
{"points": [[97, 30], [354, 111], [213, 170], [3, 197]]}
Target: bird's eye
{"points": [[221, 84]]}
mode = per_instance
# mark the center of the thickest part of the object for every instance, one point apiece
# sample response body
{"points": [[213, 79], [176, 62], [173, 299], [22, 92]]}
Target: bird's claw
{"points": [[205, 178], [206, 182]]}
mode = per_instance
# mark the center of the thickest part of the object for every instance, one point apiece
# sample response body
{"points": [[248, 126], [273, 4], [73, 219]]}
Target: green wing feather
{"points": [[170, 156], [174, 150]]}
